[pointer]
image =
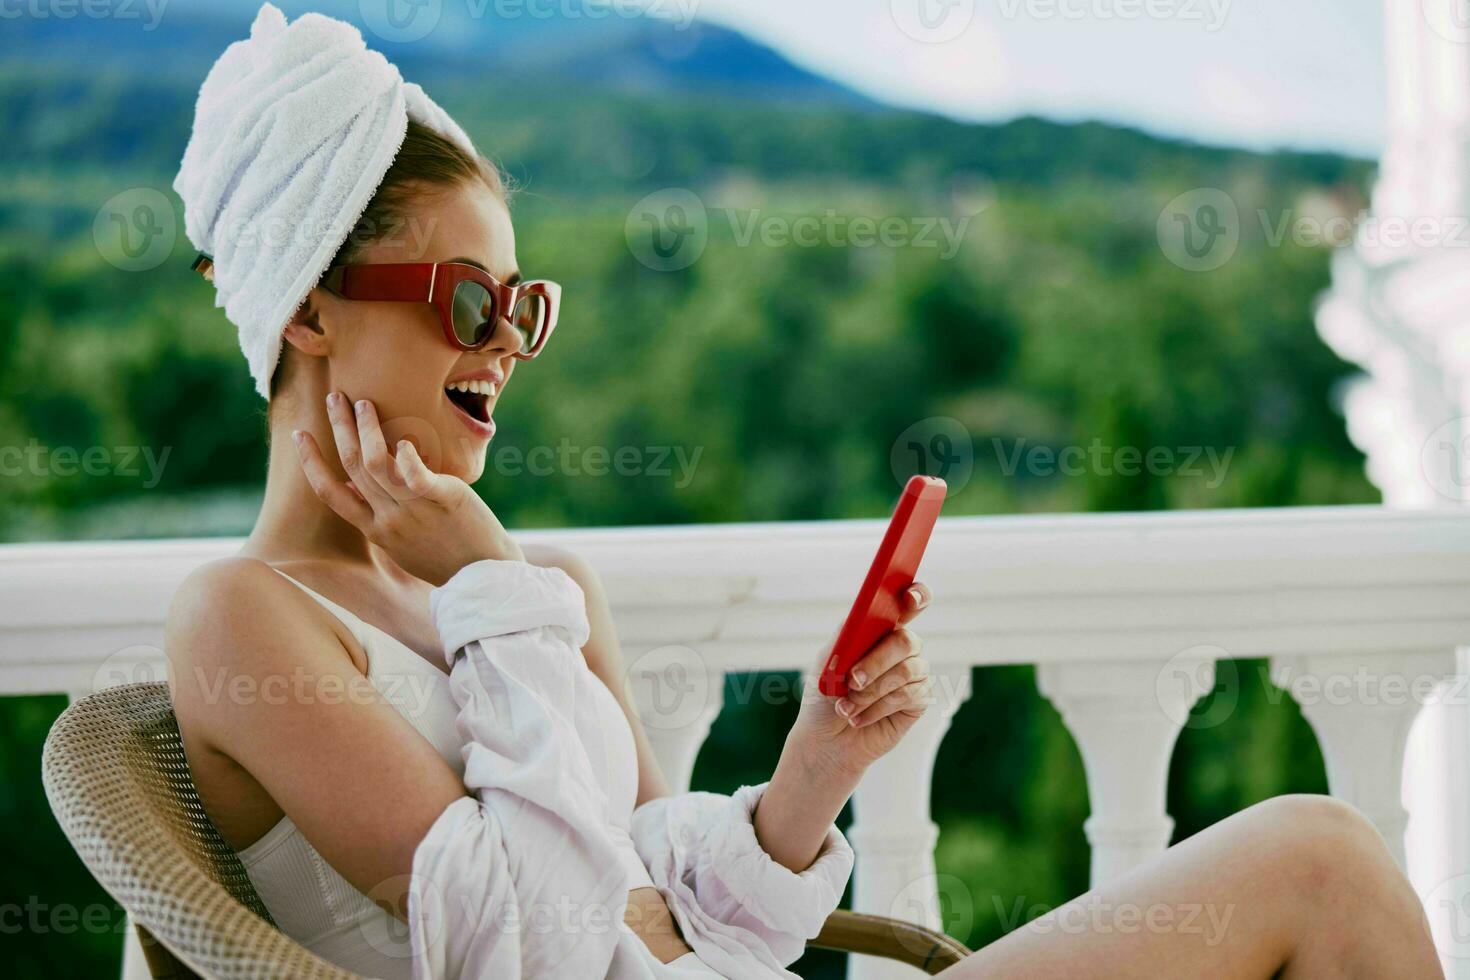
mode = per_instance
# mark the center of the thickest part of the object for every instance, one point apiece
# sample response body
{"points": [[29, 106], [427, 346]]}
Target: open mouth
{"points": [[472, 398]]}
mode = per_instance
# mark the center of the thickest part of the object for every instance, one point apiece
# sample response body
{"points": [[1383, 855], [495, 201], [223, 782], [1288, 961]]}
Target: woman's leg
{"points": [[1298, 886]]}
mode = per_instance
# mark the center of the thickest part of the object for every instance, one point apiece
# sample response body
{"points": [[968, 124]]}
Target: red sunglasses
{"points": [[470, 301]]}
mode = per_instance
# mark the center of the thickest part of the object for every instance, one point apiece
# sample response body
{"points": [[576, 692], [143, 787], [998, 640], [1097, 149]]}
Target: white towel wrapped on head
{"points": [[293, 132]]}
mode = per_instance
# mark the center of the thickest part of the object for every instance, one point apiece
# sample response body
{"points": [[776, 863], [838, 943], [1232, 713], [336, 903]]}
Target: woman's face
{"points": [[395, 354]]}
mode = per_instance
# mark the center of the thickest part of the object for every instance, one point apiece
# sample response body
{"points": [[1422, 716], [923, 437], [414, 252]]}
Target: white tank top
{"points": [[315, 905]]}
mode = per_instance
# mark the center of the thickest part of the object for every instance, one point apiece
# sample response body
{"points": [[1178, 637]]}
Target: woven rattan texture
{"points": [[119, 784]]}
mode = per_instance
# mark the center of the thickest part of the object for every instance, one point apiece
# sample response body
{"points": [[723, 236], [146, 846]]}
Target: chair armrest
{"points": [[894, 939]]}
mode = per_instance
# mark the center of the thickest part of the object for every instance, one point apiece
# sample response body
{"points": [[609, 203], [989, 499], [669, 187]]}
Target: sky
{"points": [[1306, 74]]}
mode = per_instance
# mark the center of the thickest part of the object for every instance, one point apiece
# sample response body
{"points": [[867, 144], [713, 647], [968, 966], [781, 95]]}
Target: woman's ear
{"points": [[305, 331]]}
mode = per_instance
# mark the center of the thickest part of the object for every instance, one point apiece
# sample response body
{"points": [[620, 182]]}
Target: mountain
{"points": [[637, 103], [611, 52]]}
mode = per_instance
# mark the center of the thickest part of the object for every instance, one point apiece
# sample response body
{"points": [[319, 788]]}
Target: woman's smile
{"points": [[473, 396]]}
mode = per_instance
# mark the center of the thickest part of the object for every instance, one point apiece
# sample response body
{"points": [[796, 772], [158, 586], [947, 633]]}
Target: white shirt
{"points": [[528, 877]]}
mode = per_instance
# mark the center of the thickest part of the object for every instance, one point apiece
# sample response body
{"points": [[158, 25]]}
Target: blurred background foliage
{"points": [[790, 369]]}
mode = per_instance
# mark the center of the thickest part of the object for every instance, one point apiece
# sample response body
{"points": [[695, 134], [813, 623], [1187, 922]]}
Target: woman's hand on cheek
{"points": [[431, 524], [889, 689]]}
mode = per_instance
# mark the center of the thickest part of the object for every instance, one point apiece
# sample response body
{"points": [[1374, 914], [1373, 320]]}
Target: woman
{"points": [[395, 712]]}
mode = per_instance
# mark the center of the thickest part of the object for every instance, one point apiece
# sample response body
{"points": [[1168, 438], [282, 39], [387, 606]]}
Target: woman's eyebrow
{"points": [[510, 280]]}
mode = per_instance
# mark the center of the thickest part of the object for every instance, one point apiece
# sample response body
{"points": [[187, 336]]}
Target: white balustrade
{"points": [[1125, 717], [1398, 308], [1362, 708], [892, 834], [1127, 616]]}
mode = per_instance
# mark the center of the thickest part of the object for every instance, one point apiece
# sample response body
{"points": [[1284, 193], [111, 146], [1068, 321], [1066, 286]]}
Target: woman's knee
{"points": [[1323, 846]]}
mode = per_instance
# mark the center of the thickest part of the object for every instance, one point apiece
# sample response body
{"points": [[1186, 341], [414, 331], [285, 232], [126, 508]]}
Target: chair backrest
{"points": [[120, 787]]}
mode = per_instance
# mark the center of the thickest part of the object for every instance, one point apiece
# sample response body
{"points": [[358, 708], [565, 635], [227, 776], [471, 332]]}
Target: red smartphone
{"points": [[876, 610]]}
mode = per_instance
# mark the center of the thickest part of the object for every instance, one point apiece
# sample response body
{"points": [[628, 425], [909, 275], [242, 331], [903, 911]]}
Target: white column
{"points": [[134, 965], [1362, 709], [892, 832], [1125, 718], [1401, 314], [678, 694]]}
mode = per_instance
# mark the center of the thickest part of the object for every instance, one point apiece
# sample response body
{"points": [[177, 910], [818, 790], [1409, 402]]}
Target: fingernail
{"points": [[404, 444], [918, 597], [844, 707], [362, 407], [334, 400], [297, 435], [859, 679]]}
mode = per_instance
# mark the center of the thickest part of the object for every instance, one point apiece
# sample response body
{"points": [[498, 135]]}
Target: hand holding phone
{"points": [[878, 606]]}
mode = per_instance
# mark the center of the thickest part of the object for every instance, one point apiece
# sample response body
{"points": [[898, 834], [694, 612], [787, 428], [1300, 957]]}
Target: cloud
{"points": [[1261, 73]]}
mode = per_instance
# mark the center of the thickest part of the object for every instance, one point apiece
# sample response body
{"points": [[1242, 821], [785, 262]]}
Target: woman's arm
{"points": [[259, 677], [835, 740], [604, 657]]}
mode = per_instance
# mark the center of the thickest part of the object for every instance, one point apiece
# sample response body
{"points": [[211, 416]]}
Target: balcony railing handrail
{"points": [[767, 595]]}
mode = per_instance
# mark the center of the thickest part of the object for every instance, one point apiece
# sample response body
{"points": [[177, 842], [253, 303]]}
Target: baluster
{"points": [[892, 832], [1361, 707], [679, 694], [1125, 718]]}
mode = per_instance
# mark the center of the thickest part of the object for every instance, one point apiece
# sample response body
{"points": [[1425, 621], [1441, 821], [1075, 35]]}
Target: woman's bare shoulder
{"points": [[237, 593], [240, 613]]}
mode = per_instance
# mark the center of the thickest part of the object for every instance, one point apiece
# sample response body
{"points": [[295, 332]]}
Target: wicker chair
{"points": [[119, 784]]}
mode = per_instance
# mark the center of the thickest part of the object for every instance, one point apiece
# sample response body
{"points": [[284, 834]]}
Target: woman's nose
{"points": [[505, 340]]}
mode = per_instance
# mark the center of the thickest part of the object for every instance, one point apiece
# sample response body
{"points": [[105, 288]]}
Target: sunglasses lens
{"points": [[474, 313], [529, 319]]}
